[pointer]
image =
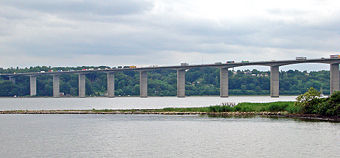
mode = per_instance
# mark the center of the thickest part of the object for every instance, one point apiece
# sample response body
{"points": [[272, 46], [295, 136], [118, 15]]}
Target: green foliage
{"points": [[329, 106], [311, 103], [257, 107], [277, 107], [308, 100], [241, 107], [199, 81]]}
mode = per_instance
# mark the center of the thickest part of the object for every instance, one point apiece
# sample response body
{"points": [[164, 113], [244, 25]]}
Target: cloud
{"points": [[106, 8], [148, 32]]}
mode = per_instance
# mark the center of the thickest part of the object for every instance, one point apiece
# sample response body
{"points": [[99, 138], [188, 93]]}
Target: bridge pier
{"points": [[274, 81], [33, 85], [334, 77], [56, 87], [224, 81], [181, 83], [12, 79], [81, 85], [143, 84], [110, 84]]}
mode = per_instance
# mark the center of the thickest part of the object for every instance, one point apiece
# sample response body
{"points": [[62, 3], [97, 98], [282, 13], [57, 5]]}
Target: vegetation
{"points": [[311, 103], [307, 103], [199, 81], [241, 107]]}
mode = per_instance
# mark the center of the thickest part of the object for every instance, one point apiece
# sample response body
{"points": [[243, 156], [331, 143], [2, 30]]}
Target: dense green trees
{"points": [[199, 81]]}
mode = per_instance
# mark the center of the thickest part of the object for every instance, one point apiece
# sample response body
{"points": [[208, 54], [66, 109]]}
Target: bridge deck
{"points": [[229, 65]]}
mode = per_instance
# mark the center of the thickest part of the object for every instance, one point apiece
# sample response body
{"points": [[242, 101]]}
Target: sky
{"points": [[166, 32]]}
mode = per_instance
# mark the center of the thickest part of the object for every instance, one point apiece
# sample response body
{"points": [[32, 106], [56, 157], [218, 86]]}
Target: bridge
{"points": [[181, 69]]}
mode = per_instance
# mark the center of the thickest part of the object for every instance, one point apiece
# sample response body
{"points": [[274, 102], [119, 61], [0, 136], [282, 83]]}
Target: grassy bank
{"points": [[241, 107]]}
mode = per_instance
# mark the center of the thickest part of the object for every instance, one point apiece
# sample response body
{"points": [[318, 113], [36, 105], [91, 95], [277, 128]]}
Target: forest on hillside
{"points": [[199, 81]]}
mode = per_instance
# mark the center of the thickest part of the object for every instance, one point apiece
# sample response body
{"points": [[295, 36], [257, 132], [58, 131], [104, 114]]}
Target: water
{"points": [[164, 136], [126, 102]]}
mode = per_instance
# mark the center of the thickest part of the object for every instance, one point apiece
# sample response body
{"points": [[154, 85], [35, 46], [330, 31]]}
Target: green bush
{"points": [[311, 103], [331, 105]]}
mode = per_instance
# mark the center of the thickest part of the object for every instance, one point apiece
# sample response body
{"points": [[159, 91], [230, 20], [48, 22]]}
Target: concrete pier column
{"points": [[143, 84], [224, 81], [274, 81], [334, 77], [81, 85], [110, 84], [12, 79], [33, 85], [56, 87], [181, 83]]}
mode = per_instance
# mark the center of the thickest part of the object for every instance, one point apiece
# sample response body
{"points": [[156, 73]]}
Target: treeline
{"points": [[199, 81]]}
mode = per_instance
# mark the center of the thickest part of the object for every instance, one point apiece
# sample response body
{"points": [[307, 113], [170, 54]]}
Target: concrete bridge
{"points": [[274, 76]]}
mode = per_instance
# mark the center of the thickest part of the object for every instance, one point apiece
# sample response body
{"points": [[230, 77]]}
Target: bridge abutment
{"points": [[143, 84], [181, 83], [334, 77], [33, 85], [274, 81], [81, 83], [56, 86], [224, 81], [110, 84]]}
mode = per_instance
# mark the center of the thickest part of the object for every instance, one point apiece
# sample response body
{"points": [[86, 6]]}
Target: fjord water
{"points": [[93, 135], [97, 135], [126, 102]]}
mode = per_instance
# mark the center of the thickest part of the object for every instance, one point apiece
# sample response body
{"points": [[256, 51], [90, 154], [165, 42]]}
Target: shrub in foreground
{"points": [[311, 103]]}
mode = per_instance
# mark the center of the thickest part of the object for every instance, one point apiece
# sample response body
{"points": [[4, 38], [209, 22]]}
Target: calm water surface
{"points": [[158, 135], [126, 102], [164, 136]]}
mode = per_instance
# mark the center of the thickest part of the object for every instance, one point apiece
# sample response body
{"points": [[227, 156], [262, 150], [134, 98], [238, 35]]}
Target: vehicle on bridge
{"points": [[184, 64], [334, 56], [132, 67], [301, 58], [218, 63], [244, 61], [230, 62]]}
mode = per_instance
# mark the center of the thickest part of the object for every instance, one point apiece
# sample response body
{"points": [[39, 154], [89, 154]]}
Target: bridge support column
{"points": [[56, 87], [33, 85], [274, 81], [180, 83], [12, 79], [334, 78], [224, 81], [143, 84], [110, 85], [81, 85]]}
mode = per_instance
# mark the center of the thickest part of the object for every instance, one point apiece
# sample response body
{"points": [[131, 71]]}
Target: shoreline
{"points": [[150, 112]]}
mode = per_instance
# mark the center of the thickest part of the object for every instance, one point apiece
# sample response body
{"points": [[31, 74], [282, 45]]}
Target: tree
{"points": [[306, 102]]}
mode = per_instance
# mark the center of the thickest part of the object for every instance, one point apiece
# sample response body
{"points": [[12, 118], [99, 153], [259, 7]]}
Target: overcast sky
{"points": [[166, 32]]}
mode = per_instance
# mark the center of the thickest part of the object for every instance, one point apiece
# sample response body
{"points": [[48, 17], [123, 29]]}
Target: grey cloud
{"points": [[123, 28], [103, 7]]}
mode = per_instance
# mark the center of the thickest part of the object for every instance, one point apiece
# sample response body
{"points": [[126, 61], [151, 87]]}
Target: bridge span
{"points": [[181, 69]]}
